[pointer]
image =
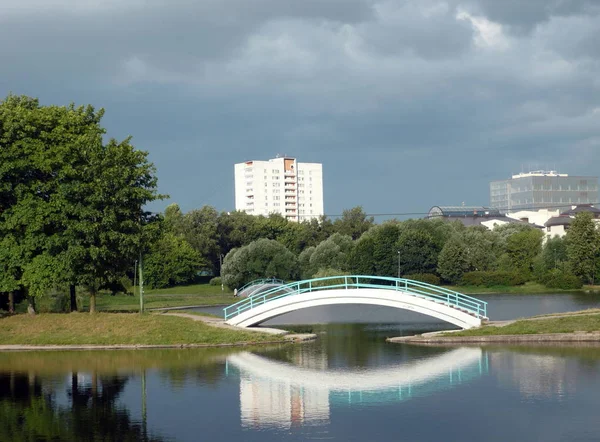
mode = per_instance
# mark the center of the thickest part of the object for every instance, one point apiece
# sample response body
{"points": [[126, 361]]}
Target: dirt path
{"points": [[219, 322]]}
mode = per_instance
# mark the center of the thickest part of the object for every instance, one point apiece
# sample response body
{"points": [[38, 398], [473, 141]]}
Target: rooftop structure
{"points": [[280, 185], [541, 189], [472, 215]]}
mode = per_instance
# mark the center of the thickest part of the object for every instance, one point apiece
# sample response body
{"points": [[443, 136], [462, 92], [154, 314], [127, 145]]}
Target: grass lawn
{"points": [[190, 295], [116, 328], [529, 288], [568, 324]]}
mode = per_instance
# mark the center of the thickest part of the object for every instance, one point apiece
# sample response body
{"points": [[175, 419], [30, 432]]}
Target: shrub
{"points": [[491, 279], [560, 279], [428, 278], [215, 281]]}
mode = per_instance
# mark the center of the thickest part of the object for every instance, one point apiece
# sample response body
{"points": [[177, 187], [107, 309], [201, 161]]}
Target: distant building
{"points": [[472, 216], [280, 185], [559, 224], [542, 189]]}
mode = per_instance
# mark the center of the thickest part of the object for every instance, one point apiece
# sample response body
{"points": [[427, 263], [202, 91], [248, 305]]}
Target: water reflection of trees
{"points": [[29, 410]]}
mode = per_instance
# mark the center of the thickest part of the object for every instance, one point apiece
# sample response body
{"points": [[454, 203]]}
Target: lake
{"points": [[349, 384]]}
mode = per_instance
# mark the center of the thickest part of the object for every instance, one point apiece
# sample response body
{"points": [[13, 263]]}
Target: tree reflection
{"points": [[30, 411]]}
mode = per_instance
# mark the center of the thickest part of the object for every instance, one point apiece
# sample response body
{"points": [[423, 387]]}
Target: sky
{"points": [[406, 103]]}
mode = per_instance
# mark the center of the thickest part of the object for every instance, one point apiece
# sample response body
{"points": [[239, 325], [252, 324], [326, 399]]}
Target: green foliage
{"points": [[561, 279], [70, 205], [521, 249], [384, 254], [306, 270], [331, 253], [428, 278], [583, 247], [263, 258], [453, 261], [172, 261], [353, 222], [418, 252], [328, 273], [217, 281], [492, 279]]}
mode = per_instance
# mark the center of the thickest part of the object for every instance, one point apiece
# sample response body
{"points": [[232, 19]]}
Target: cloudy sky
{"points": [[407, 103]]}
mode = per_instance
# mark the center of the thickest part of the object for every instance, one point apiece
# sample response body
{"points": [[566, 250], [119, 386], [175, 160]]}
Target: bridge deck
{"points": [[434, 294]]}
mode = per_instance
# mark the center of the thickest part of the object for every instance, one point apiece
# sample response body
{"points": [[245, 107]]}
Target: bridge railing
{"points": [[261, 281], [419, 289]]}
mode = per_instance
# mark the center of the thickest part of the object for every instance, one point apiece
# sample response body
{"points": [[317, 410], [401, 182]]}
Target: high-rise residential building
{"points": [[542, 189], [280, 185]]}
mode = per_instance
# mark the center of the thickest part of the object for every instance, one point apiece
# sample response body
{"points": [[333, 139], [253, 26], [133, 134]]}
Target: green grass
{"points": [[567, 324], [529, 288], [181, 296], [116, 328]]}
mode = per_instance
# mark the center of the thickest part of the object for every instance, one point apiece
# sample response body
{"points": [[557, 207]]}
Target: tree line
{"points": [[242, 247]]}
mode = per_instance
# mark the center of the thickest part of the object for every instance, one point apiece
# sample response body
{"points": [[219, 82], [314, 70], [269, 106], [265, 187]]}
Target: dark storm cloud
{"points": [[383, 92]]}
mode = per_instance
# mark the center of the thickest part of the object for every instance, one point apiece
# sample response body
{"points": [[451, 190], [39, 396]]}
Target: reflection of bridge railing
{"points": [[440, 295]]}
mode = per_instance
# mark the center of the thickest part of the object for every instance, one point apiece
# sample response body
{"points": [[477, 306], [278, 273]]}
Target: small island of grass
{"points": [[107, 329]]}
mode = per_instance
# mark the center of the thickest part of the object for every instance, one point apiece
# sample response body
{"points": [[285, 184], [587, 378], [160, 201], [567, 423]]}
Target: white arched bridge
{"points": [[431, 300]]}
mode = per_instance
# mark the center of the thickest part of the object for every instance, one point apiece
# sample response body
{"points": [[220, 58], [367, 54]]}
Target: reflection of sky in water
{"points": [[282, 395]]}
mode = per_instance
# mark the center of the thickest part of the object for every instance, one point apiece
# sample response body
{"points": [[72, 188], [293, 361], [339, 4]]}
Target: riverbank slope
{"points": [[123, 330], [580, 326]]}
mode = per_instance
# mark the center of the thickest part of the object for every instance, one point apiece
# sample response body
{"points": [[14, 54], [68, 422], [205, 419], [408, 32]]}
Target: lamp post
{"points": [[220, 266], [398, 263]]}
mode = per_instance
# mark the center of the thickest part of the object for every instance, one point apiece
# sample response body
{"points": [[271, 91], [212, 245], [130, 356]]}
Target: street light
{"points": [[398, 263]]}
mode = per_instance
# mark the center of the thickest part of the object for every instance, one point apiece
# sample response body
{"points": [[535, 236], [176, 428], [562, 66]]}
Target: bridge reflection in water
{"points": [[280, 394]]}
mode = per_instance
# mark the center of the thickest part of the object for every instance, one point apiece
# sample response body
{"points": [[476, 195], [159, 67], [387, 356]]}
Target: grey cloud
{"points": [[387, 91], [521, 16]]}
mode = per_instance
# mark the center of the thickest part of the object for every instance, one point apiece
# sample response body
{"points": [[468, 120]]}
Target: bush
{"points": [[492, 279], [215, 281], [428, 278], [560, 279]]}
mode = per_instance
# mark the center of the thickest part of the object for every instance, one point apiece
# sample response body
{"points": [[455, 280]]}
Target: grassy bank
{"points": [[116, 328], [575, 322], [529, 288]]}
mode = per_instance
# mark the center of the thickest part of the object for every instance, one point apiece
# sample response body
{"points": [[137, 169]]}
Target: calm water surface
{"points": [[347, 385]]}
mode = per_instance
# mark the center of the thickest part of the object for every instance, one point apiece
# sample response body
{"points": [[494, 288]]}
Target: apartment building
{"points": [[280, 185]]}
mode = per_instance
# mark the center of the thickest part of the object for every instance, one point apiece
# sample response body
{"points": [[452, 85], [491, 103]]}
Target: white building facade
{"points": [[280, 185], [542, 190]]}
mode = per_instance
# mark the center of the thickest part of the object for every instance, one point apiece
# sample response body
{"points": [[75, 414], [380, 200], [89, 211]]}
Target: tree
{"points": [[522, 248], [583, 247], [172, 261], [71, 205], [354, 222], [418, 252], [200, 229], [306, 271], [263, 258], [331, 254], [452, 261]]}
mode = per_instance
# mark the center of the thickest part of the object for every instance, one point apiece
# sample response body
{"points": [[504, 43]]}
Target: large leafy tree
{"points": [[583, 247], [264, 258], [522, 247], [71, 205], [172, 261], [353, 222]]}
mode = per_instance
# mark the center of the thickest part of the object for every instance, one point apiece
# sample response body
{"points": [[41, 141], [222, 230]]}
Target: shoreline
{"points": [[499, 339], [286, 339]]}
